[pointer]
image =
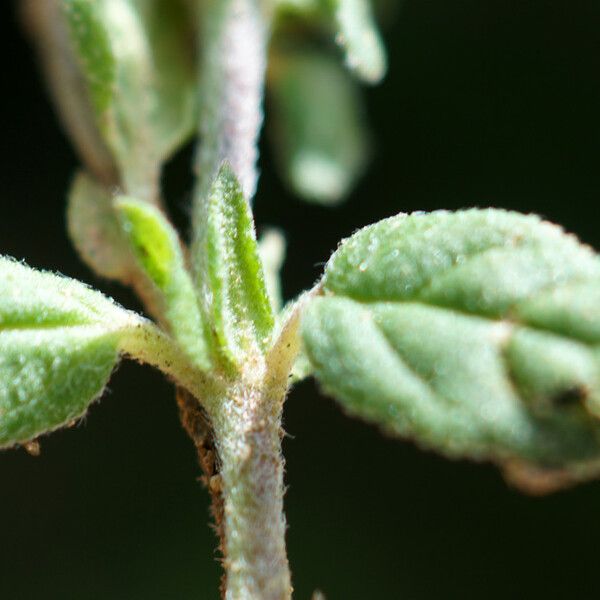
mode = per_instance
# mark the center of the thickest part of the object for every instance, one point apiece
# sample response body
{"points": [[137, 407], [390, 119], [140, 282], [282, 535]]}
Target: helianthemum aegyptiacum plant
{"points": [[474, 333]]}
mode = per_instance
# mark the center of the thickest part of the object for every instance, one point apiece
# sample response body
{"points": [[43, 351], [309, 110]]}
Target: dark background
{"points": [[487, 103]]}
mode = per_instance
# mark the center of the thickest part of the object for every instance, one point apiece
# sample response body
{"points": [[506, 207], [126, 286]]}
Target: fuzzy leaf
{"points": [[318, 126], [101, 242], [476, 333], [357, 34], [59, 342], [95, 230], [231, 279], [288, 340], [158, 250], [354, 28], [73, 95], [93, 47], [135, 58], [171, 71]]}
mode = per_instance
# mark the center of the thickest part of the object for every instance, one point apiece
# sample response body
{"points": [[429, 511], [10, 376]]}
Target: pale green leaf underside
{"points": [[475, 333], [233, 286], [354, 28], [102, 243], [158, 250], [168, 25], [357, 34], [95, 231], [58, 345], [317, 125]]}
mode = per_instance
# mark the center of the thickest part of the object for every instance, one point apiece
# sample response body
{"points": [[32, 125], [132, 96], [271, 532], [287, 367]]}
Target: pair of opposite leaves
{"points": [[475, 333]]}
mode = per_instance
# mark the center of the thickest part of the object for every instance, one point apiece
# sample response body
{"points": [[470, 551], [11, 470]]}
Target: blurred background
{"points": [[487, 103]]}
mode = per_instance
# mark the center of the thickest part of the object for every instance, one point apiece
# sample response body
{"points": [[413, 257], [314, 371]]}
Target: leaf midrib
{"points": [[484, 317]]}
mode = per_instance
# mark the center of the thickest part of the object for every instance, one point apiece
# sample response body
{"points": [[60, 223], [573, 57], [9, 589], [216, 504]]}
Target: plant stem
{"points": [[234, 57], [245, 414], [247, 430]]}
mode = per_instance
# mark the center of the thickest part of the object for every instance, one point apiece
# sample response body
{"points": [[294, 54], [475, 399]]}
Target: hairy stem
{"points": [[247, 431], [245, 415], [234, 55]]}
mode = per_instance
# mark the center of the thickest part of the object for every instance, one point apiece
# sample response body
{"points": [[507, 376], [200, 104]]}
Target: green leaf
{"points": [[354, 29], [93, 47], [231, 280], [318, 126], [159, 253], [135, 56], [101, 242], [475, 333], [95, 230], [71, 93], [153, 241], [287, 351], [357, 34], [59, 342], [171, 77]]}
